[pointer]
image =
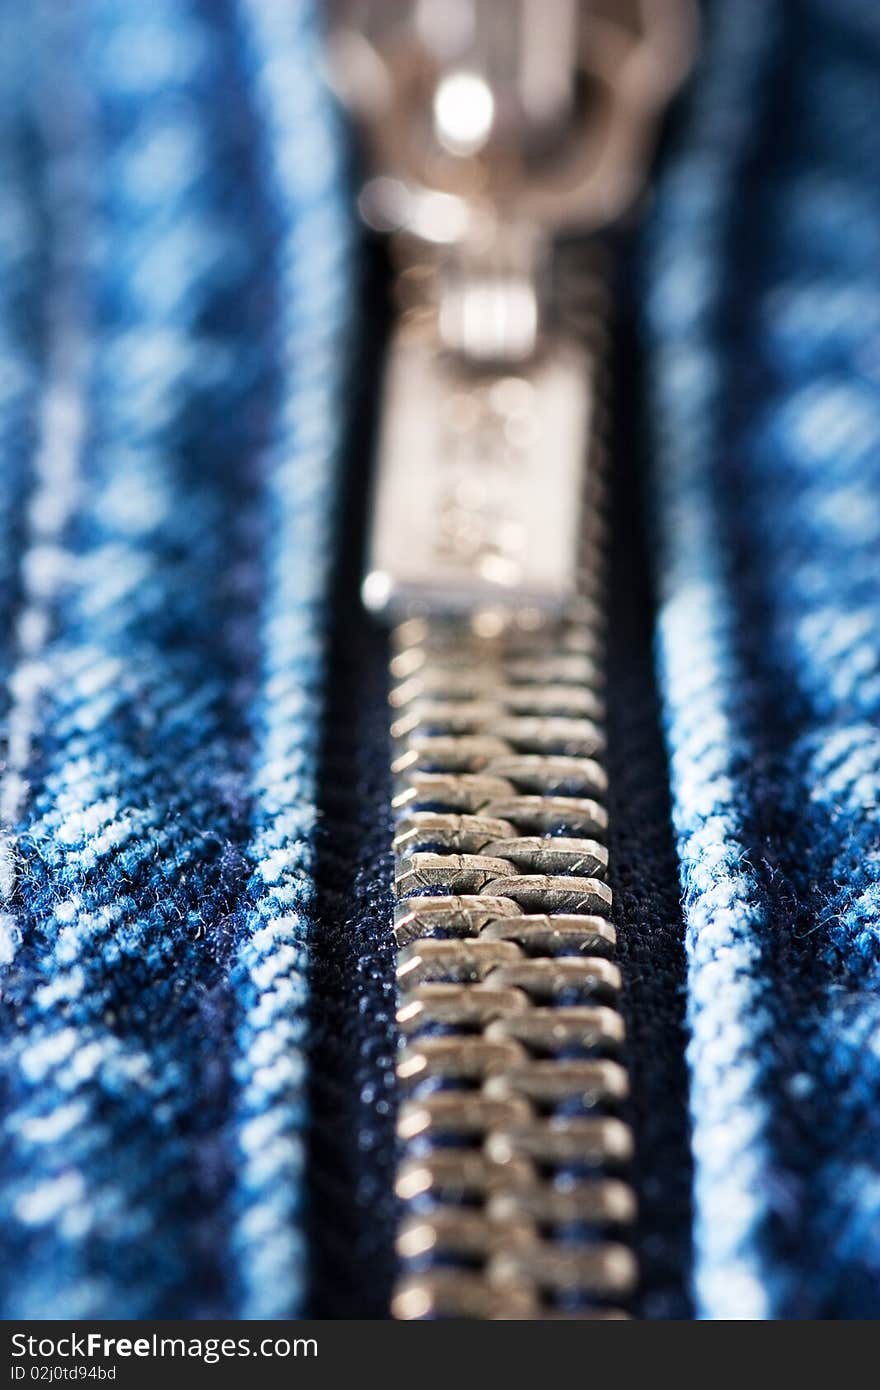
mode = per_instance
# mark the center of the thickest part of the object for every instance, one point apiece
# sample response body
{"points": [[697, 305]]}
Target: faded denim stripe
{"points": [[139, 1014], [763, 321], [302, 172]]}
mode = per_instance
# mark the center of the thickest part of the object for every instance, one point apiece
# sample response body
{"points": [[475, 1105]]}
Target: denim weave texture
{"points": [[173, 260], [762, 317], [196, 971]]}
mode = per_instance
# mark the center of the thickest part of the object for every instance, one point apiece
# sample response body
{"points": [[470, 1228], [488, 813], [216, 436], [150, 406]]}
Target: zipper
{"points": [[490, 134]]}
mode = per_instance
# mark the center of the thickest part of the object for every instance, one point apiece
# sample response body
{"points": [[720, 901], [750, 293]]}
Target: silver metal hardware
{"points": [[475, 112], [510, 1067], [480, 483], [490, 127]]}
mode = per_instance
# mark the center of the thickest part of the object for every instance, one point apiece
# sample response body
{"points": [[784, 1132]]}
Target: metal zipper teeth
{"points": [[514, 1157], [514, 1154]]}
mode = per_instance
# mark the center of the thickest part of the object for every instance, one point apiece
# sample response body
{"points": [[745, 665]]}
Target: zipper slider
{"points": [[490, 130]]}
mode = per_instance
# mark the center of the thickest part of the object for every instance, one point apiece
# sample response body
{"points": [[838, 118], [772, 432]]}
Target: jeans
{"points": [[197, 1025]]}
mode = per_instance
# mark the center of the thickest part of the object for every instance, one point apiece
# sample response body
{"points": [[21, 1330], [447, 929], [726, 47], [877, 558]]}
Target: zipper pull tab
{"points": [[490, 130]]}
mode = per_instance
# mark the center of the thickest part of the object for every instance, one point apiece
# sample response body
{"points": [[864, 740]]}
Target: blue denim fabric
{"points": [[174, 246], [196, 1029], [763, 331]]}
